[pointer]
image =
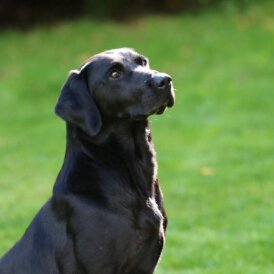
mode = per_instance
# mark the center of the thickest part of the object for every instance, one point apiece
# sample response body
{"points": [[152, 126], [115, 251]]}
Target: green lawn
{"points": [[215, 148]]}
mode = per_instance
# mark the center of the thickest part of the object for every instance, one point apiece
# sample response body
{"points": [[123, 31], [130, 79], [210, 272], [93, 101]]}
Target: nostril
{"points": [[162, 83]]}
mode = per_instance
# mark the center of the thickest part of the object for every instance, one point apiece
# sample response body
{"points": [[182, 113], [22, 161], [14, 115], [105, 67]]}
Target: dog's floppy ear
{"points": [[76, 105]]}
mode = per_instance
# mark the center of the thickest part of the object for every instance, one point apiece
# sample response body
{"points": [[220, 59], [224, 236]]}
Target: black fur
{"points": [[106, 213]]}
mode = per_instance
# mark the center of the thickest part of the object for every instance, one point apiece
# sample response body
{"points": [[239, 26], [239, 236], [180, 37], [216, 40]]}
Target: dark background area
{"points": [[23, 14]]}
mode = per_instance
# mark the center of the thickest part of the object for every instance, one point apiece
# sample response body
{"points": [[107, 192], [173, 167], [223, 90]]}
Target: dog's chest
{"points": [[150, 218], [148, 226], [147, 240]]}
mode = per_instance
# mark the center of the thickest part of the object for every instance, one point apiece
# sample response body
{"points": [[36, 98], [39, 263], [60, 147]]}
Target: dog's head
{"points": [[115, 84]]}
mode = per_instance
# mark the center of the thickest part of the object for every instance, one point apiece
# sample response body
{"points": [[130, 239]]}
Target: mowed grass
{"points": [[215, 148]]}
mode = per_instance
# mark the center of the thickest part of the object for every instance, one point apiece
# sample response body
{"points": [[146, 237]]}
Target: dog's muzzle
{"points": [[162, 83]]}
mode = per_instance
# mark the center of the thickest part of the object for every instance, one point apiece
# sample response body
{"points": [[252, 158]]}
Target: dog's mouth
{"points": [[168, 102]]}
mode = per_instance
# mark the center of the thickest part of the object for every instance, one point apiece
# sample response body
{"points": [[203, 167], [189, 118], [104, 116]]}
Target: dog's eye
{"points": [[115, 74], [116, 71]]}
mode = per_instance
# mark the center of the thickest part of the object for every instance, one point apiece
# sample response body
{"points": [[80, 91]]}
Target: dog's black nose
{"points": [[160, 81]]}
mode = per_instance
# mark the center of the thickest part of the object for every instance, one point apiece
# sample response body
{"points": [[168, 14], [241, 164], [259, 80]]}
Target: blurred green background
{"points": [[215, 147]]}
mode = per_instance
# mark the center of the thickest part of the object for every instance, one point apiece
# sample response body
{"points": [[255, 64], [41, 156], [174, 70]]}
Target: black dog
{"points": [[106, 214]]}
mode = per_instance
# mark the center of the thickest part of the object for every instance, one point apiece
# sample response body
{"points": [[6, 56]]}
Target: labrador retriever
{"points": [[106, 213]]}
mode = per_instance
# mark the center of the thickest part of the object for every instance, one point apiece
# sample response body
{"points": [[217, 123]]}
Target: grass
{"points": [[215, 148]]}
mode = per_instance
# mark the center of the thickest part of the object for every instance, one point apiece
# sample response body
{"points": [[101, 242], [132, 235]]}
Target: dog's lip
{"points": [[160, 110], [168, 103]]}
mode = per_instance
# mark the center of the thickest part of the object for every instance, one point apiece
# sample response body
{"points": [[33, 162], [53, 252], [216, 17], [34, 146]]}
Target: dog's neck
{"points": [[128, 143], [123, 131]]}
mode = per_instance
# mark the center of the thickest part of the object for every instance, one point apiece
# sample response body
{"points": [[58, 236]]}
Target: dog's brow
{"points": [[116, 64]]}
